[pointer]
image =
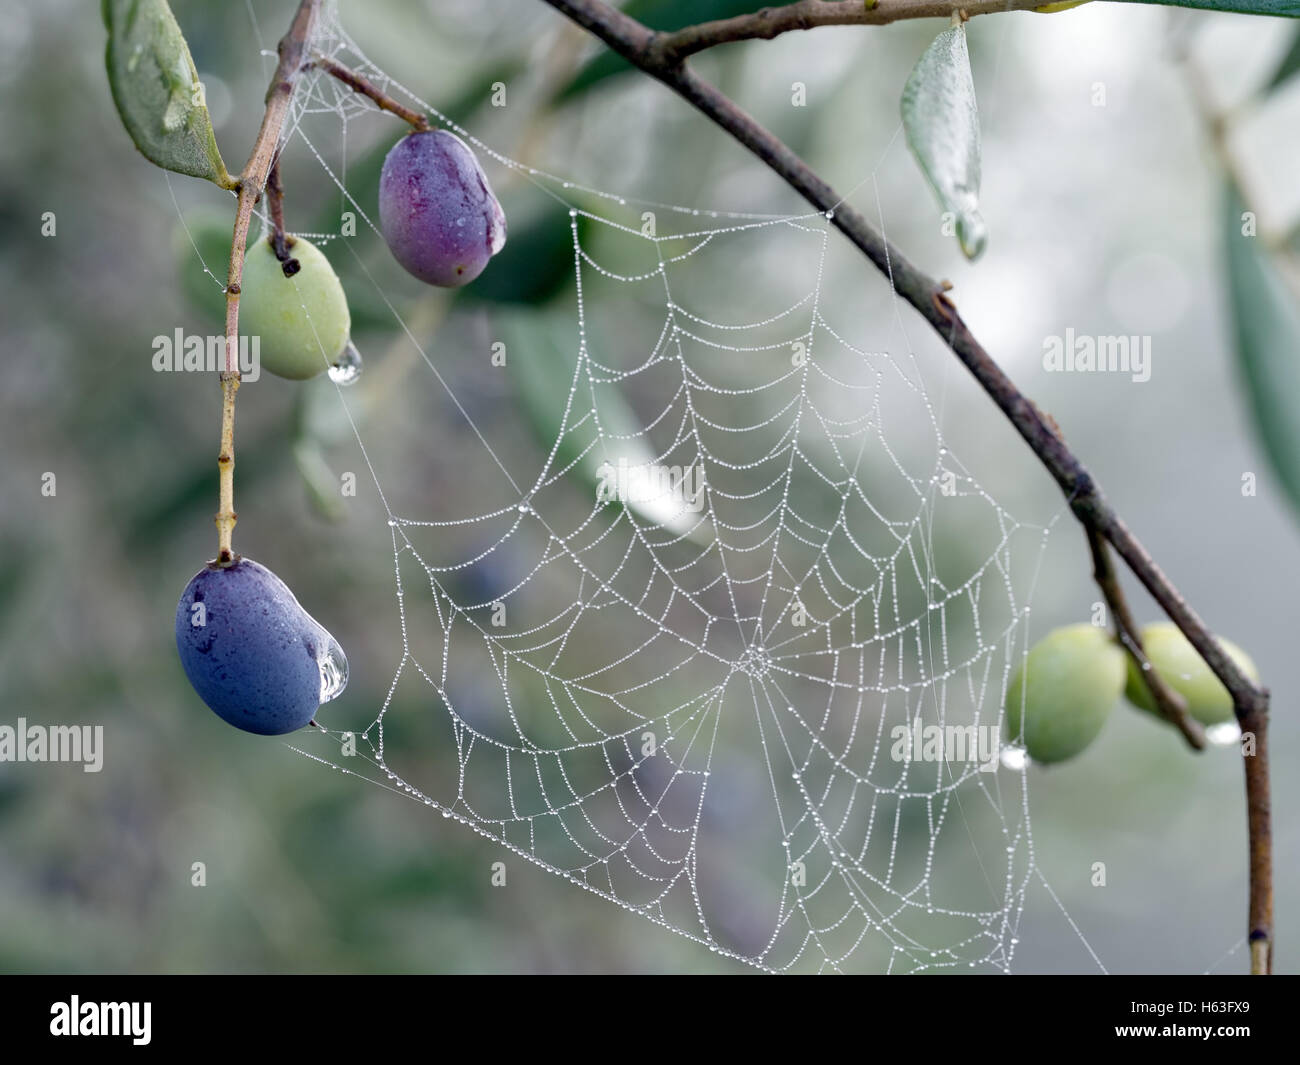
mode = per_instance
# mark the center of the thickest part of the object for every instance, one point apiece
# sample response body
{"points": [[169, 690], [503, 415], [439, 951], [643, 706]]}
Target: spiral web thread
{"points": [[653, 722]]}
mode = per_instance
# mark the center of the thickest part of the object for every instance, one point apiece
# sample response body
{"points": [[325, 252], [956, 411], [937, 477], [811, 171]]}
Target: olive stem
{"points": [[275, 207], [252, 181], [226, 516], [1171, 705], [770, 22], [381, 99], [645, 49]]}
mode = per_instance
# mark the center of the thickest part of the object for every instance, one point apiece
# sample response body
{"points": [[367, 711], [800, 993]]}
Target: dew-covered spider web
{"points": [[672, 662]]}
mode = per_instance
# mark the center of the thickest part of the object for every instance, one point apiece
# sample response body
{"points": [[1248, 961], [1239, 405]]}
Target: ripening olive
{"points": [[437, 211]]}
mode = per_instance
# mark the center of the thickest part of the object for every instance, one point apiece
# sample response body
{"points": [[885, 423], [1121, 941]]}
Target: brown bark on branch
{"points": [[275, 207], [252, 181], [809, 14], [1171, 705], [381, 99]]}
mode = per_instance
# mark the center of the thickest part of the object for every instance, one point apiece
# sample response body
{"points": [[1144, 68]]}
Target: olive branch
{"points": [[663, 57]]}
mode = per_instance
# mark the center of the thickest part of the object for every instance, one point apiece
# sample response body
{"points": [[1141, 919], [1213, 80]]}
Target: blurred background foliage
{"points": [[1108, 219]]}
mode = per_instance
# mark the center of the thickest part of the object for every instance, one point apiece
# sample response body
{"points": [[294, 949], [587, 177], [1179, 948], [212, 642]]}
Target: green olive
{"points": [[302, 321], [1177, 662], [1064, 692]]}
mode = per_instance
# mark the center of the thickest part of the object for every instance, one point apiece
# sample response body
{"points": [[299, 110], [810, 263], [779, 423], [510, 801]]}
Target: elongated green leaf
{"points": [[1284, 8], [1266, 317], [541, 353], [1290, 65], [321, 482], [157, 91], [942, 125]]}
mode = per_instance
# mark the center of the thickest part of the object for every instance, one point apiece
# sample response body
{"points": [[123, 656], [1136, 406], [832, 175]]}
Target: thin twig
{"points": [[280, 240], [252, 180], [637, 44], [1170, 705], [1217, 126], [381, 99], [809, 14]]}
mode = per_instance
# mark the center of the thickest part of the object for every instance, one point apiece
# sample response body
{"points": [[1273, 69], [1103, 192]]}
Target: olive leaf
{"points": [[1266, 317], [942, 125], [320, 480], [157, 91], [1283, 8], [1290, 64], [556, 398]]}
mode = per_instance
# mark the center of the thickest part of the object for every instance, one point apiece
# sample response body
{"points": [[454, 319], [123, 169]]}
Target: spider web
{"points": [[688, 704]]}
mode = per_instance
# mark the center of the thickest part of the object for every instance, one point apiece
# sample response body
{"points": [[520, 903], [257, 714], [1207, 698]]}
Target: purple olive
{"points": [[437, 211], [253, 654]]}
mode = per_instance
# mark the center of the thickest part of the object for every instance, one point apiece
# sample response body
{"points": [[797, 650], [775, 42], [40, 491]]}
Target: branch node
{"points": [[946, 308]]}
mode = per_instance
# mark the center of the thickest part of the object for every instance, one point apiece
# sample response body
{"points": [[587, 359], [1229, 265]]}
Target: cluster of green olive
{"points": [[1072, 679]]}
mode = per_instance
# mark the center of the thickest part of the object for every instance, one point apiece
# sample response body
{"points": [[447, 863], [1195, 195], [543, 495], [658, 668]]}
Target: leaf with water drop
{"points": [[942, 125], [157, 91]]}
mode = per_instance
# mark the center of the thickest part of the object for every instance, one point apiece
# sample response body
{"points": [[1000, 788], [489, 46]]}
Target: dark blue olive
{"points": [[253, 654]]}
